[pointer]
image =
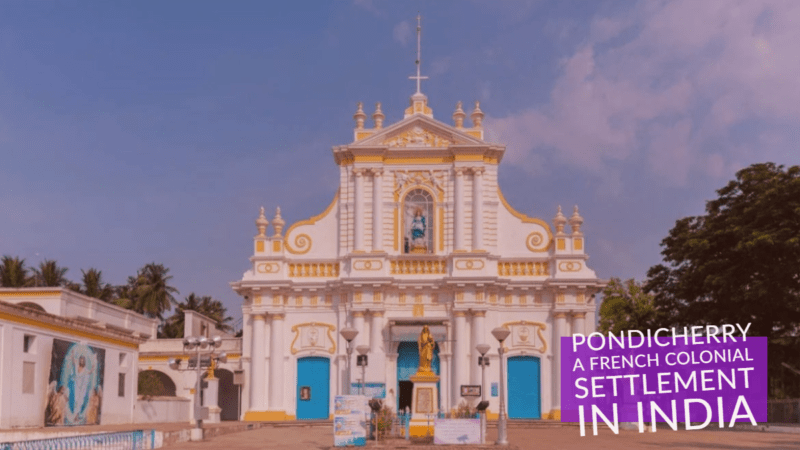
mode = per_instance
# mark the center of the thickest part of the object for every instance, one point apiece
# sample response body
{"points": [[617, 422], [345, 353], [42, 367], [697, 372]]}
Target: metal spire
{"points": [[419, 46]]}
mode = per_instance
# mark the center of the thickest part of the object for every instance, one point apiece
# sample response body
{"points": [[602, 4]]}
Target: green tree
{"points": [[94, 286], [152, 293], [626, 306], [49, 274], [213, 309], [13, 273], [738, 263]]}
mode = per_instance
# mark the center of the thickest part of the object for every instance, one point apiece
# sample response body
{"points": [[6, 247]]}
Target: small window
{"points": [[121, 385], [123, 360], [28, 377], [27, 343]]}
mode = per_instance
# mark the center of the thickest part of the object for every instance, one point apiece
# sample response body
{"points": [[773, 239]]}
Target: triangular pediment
{"points": [[419, 131]]}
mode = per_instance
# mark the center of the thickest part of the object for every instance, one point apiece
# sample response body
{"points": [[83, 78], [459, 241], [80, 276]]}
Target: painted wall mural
{"points": [[75, 388]]}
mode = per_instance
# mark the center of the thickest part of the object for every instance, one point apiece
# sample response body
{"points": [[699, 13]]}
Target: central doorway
{"points": [[407, 365]]}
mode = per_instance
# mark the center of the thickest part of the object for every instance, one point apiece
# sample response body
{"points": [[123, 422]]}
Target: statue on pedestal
{"points": [[426, 346]]}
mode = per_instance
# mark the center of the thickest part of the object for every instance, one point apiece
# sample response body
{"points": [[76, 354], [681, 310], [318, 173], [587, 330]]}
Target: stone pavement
{"points": [[523, 437]]}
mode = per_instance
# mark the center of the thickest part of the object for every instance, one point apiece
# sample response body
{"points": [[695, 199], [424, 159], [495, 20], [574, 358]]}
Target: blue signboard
{"points": [[494, 389], [371, 390]]}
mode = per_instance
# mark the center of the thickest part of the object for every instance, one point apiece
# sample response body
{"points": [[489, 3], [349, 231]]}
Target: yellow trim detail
{"points": [[441, 227], [578, 243], [276, 246], [469, 158], [396, 234], [539, 328], [296, 330], [267, 416], [560, 244], [311, 221], [29, 293], [178, 355], [260, 246], [524, 218], [67, 330]]}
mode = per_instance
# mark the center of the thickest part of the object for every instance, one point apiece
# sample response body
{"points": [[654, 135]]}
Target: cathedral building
{"points": [[418, 234]]}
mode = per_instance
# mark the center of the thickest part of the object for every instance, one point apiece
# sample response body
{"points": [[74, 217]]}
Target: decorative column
{"points": [[558, 331], [377, 357], [477, 208], [257, 379], [578, 322], [358, 324], [460, 343], [377, 212], [276, 387], [478, 337], [458, 210], [358, 210]]}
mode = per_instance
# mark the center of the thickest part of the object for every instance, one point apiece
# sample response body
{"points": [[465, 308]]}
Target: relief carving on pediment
{"points": [[416, 137]]}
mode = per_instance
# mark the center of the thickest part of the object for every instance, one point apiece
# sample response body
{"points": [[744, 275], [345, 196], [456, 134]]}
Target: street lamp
{"points": [[501, 334], [195, 343], [362, 361], [484, 361], [349, 334]]}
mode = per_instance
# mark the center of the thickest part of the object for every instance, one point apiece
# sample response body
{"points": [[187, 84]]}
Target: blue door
{"points": [[313, 388], [524, 387]]}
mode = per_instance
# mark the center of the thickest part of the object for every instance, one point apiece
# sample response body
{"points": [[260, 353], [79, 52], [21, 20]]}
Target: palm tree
{"points": [[49, 274], [153, 296], [174, 325], [214, 309], [93, 285], [13, 272]]}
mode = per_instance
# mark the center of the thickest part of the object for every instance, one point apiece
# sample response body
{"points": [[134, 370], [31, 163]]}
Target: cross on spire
{"points": [[419, 34]]}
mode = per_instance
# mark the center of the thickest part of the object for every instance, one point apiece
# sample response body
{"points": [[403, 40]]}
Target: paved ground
{"points": [[534, 437]]}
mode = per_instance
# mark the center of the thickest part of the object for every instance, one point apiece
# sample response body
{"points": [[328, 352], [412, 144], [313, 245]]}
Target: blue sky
{"points": [[133, 132]]}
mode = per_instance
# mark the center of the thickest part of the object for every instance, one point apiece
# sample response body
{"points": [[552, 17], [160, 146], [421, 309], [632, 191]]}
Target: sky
{"points": [[138, 132]]}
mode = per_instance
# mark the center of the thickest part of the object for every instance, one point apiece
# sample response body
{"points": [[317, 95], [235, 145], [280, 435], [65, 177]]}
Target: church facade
{"points": [[418, 234]]}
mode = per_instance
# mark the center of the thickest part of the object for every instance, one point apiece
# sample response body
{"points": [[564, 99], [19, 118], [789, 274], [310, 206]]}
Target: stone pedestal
{"points": [[210, 397], [424, 403]]}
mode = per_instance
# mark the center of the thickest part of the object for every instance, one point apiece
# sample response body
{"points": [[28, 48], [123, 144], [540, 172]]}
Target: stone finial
{"points": [[477, 115], [458, 116], [278, 222], [360, 117], [378, 116], [559, 221], [262, 223], [575, 221]]}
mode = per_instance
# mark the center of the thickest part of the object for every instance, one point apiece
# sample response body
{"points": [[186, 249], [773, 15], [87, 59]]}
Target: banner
{"points": [[457, 431], [689, 379], [350, 416]]}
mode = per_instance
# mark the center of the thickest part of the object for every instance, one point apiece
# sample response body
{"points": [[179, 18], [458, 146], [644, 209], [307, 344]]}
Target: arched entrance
{"points": [[155, 383], [228, 395], [524, 387], [407, 365], [313, 388]]}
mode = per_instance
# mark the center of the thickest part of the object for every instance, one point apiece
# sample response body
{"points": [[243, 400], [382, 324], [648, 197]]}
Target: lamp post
{"points": [[362, 361], [482, 349], [501, 334], [349, 334], [198, 344]]}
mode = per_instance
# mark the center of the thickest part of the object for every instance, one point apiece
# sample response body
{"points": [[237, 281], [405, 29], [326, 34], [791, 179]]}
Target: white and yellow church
{"points": [[417, 234]]}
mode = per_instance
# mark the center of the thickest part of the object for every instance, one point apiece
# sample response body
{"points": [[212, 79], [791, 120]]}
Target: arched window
{"points": [[418, 222]]}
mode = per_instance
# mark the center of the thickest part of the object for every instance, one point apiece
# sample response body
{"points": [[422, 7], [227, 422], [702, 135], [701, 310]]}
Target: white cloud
{"points": [[402, 33], [369, 5], [676, 91]]}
